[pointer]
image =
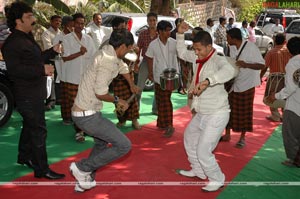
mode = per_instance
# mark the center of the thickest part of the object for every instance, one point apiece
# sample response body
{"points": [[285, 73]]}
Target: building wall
{"points": [[198, 12]]}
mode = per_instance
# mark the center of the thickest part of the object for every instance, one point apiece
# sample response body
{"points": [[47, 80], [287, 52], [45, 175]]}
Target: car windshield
{"points": [[294, 28]]}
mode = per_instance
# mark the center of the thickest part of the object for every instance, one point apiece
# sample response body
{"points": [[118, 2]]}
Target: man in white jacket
{"points": [[210, 103], [291, 115]]}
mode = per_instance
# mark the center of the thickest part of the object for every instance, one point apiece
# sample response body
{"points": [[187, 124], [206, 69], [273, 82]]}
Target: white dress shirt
{"points": [[76, 67], [98, 34], [247, 78], [164, 56], [291, 91]]}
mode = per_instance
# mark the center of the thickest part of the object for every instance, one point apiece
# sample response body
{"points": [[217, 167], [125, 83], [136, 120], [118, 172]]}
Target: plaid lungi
{"points": [[241, 115], [65, 107], [121, 89], [72, 90], [164, 107]]}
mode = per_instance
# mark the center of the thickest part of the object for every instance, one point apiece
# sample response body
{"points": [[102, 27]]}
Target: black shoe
{"points": [[50, 175], [28, 163]]}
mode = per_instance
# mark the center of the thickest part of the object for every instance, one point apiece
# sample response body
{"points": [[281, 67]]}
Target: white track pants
{"points": [[200, 139]]}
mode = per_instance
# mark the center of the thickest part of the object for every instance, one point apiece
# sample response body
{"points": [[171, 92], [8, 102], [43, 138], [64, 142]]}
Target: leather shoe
{"points": [[28, 163], [50, 175]]}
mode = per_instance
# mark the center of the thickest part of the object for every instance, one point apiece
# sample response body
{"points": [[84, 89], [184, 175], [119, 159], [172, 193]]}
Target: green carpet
{"points": [[264, 177], [60, 141]]}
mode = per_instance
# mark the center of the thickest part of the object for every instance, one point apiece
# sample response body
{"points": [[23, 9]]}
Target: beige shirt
{"points": [[98, 34], [97, 78], [48, 37]]}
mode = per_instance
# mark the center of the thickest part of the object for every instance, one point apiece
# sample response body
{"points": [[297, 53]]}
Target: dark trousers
{"points": [[32, 143]]}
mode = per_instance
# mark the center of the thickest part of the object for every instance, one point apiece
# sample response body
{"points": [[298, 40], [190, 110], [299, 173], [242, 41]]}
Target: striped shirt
{"points": [[220, 35], [144, 40], [277, 58]]}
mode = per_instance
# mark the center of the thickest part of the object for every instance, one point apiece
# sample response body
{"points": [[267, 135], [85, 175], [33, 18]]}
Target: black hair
{"points": [[55, 17], [202, 37], [66, 19], [230, 19], [117, 21], [151, 14], [221, 19], [235, 33], [77, 15], [279, 38], [16, 11], [6, 9], [208, 21], [293, 45], [252, 23], [163, 25], [178, 21], [244, 22], [121, 36], [96, 14], [197, 29]]}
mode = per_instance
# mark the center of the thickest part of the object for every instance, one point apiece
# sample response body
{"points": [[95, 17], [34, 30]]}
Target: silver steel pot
{"points": [[169, 79]]}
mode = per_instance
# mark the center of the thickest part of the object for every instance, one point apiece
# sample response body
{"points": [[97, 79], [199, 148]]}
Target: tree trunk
{"points": [[161, 7]]}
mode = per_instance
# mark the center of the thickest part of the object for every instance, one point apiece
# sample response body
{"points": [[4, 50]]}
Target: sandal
{"points": [[120, 124], [240, 144], [136, 125], [79, 137]]}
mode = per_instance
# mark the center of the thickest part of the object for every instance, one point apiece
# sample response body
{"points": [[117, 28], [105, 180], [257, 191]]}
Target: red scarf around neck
{"points": [[201, 62]]}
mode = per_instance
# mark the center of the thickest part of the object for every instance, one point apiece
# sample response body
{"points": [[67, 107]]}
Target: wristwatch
{"points": [[116, 100]]}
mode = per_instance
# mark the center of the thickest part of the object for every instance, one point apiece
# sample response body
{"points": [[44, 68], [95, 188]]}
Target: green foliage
{"points": [[248, 9], [57, 4], [87, 10]]}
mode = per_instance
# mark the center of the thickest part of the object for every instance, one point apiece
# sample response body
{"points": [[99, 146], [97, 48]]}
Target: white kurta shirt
{"points": [[247, 78], [60, 66], [291, 91], [98, 34], [218, 70], [164, 56], [48, 37], [76, 67]]}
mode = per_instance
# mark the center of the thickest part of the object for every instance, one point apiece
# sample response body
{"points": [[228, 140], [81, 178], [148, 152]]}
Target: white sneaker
{"points": [[213, 186], [78, 188], [189, 174], [85, 181]]}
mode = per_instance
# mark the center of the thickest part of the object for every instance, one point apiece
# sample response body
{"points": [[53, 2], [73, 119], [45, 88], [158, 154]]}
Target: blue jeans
{"points": [[104, 132]]}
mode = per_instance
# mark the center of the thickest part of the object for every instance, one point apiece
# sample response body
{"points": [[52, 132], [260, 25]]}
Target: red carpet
{"points": [[149, 170]]}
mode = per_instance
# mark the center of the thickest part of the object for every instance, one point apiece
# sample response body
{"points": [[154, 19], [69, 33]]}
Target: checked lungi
{"points": [[69, 93], [65, 106], [121, 89], [164, 107], [241, 115]]}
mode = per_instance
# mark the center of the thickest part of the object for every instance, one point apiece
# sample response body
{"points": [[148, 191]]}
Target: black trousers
{"points": [[32, 143]]}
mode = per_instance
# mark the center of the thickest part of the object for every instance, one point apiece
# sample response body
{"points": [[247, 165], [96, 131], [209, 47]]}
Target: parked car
{"points": [[6, 96], [267, 16], [137, 22], [263, 41], [293, 30]]}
